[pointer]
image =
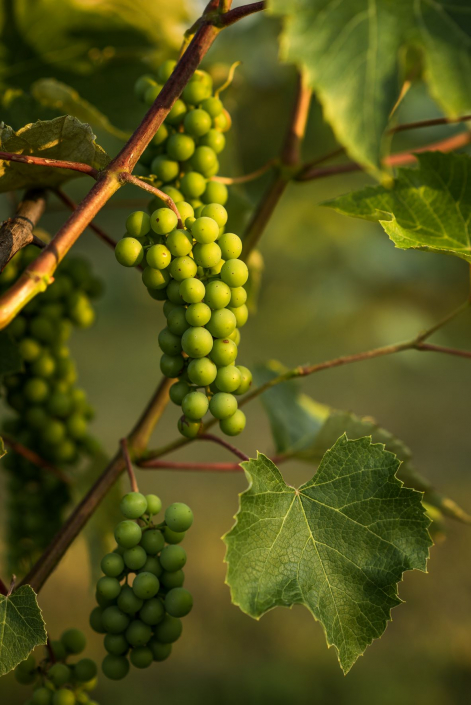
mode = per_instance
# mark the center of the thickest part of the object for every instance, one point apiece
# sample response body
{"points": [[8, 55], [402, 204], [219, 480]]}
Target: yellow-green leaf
{"points": [[22, 627]]}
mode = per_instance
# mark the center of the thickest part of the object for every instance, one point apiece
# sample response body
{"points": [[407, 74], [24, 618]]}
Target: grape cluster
{"points": [[51, 413], [56, 680], [195, 269], [142, 617]]}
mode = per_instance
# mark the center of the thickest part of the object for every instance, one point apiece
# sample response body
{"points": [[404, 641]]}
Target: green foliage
{"points": [[338, 545], [61, 138], [22, 627], [2, 448], [427, 208], [349, 52], [10, 359]]}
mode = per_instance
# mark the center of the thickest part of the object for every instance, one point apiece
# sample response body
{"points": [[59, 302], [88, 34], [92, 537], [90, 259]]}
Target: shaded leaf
{"points": [[353, 54], [22, 627], [339, 545]]}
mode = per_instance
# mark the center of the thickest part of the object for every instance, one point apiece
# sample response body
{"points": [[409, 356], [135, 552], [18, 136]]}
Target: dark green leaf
{"points": [[22, 627]]}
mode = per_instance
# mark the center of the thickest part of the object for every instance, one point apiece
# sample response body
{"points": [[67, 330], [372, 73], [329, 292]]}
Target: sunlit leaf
{"points": [[22, 627]]}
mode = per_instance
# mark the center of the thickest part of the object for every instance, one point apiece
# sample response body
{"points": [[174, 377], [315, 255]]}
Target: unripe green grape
{"points": [[214, 139], [176, 321], [234, 424], [109, 588], [28, 665], [64, 696], [164, 168], [17, 327], [163, 221], [141, 657], [115, 667], [112, 565], [44, 366], [195, 92], [59, 650], [85, 669], [231, 245], [160, 136], [152, 565], [138, 224], [60, 404], [29, 349], [204, 77], [187, 428], [197, 122], [246, 380], [116, 644], [135, 557], [192, 290], [178, 391], [155, 278], [189, 222], [173, 558], [177, 113], [228, 378], [170, 628], [42, 696], [218, 294], [213, 106], [158, 257], [241, 314], [171, 365], [224, 352], [182, 268], [53, 432], [204, 160], [151, 93], [129, 252], [197, 314], [65, 452], [103, 602], [215, 193], [202, 372], [96, 621], [168, 307], [185, 210], [238, 297], [172, 580], [36, 390], [173, 536], [169, 343], [42, 328], [217, 213], [194, 406], [115, 620], [178, 602], [223, 121], [77, 426], [128, 603], [152, 612], [197, 342], [127, 533], [133, 505], [205, 229], [222, 323], [234, 273], [145, 585], [152, 541], [25, 677], [138, 633], [154, 505], [157, 294], [59, 674], [180, 147], [165, 70], [53, 310], [142, 84], [223, 405], [193, 184], [160, 651], [207, 255], [157, 202], [179, 243], [173, 293], [178, 516]]}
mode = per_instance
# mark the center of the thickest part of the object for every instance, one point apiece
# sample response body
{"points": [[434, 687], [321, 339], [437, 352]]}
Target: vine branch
{"points": [[71, 205], [17, 232], [127, 459], [215, 439], [52, 163]]}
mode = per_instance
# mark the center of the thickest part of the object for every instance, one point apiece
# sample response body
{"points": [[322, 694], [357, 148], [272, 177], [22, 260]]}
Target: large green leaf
{"points": [[61, 138], [22, 627], [337, 545], [352, 53], [427, 208]]}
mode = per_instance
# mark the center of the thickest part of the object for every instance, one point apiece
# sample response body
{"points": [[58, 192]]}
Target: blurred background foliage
{"points": [[331, 286]]}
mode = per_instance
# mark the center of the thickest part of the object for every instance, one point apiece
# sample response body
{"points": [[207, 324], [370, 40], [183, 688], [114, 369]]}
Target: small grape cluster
{"points": [[195, 269], [142, 617], [51, 412], [56, 680]]}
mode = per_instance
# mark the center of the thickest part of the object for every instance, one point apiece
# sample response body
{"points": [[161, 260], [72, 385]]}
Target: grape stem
{"points": [[215, 439], [245, 178], [50, 650], [12, 585], [202, 467], [129, 468], [71, 205], [52, 163], [35, 459], [130, 179], [17, 232]]}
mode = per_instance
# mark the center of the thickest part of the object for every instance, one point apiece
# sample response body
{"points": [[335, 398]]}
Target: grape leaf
{"points": [[353, 56], [22, 627], [61, 138], [337, 545], [428, 208], [10, 359]]}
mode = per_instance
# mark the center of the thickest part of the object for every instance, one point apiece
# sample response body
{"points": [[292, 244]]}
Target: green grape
{"points": [[109, 588], [169, 343], [59, 674], [182, 268], [85, 669], [223, 121], [193, 184], [187, 428], [128, 602], [168, 306], [28, 665], [228, 378], [59, 650], [214, 139], [170, 628], [207, 255], [154, 505], [176, 321], [222, 323], [17, 327], [205, 230], [29, 349], [180, 147], [178, 602], [127, 533], [155, 278], [246, 380], [42, 696], [129, 252], [173, 293], [151, 565], [223, 405], [230, 244], [112, 565], [197, 314], [172, 580], [36, 390], [241, 314], [152, 612], [215, 193], [163, 221], [158, 257], [178, 516], [171, 365], [215, 212], [138, 224], [24, 677], [192, 291], [116, 644], [238, 298], [213, 106], [142, 84], [197, 342], [179, 390], [234, 273], [77, 426], [224, 352], [197, 122], [195, 92], [141, 657], [74, 640], [53, 432], [60, 404], [234, 424], [42, 329], [165, 70], [218, 294], [164, 168], [177, 113], [202, 372], [64, 696], [151, 93], [194, 406], [173, 557], [96, 621], [145, 585], [65, 452], [44, 366], [189, 221], [204, 160], [135, 557], [138, 633], [160, 136], [160, 651], [173, 536], [179, 243], [115, 620], [185, 210], [152, 541], [115, 667]]}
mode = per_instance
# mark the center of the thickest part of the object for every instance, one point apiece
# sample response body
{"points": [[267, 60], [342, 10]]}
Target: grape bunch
{"points": [[57, 681], [195, 268], [50, 412], [142, 617]]}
